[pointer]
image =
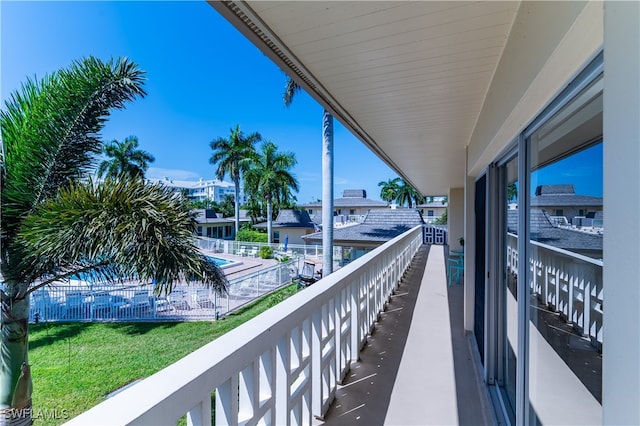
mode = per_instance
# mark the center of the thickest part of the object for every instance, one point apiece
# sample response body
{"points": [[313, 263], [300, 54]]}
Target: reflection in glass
{"points": [[510, 285], [565, 264]]}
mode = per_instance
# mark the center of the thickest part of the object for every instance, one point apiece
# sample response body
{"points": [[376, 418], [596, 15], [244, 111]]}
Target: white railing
{"points": [[280, 368], [567, 282], [242, 248], [85, 301], [252, 249]]}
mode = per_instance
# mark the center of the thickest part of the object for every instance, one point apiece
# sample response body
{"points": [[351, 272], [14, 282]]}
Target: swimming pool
{"points": [[222, 263]]}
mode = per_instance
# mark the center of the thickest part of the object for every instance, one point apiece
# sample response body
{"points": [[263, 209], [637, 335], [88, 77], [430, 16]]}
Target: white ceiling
{"points": [[408, 78]]}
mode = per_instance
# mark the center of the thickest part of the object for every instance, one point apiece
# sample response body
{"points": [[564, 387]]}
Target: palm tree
{"points": [[54, 225], [408, 194], [227, 156], [125, 159], [290, 91], [268, 176], [389, 189], [254, 209], [512, 192]]}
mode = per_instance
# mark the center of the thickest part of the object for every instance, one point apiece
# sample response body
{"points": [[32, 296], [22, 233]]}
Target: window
{"points": [[559, 212], [352, 211], [430, 213]]}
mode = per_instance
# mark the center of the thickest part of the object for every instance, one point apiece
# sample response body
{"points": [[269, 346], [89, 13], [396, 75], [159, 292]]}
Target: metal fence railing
{"points": [[86, 301], [252, 249]]}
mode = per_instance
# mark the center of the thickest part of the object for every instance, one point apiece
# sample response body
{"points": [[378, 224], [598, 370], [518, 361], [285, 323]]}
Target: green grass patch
{"points": [[75, 365]]}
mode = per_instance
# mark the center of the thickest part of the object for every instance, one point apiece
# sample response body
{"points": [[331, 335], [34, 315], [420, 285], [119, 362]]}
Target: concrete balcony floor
{"points": [[418, 366]]}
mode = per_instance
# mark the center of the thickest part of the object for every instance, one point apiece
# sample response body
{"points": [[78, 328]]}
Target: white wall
{"points": [[621, 323], [295, 234], [550, 42]]}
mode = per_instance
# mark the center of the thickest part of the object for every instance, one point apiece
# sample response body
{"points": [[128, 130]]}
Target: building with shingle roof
{"points": [[213, 225], [354, 202], [378, 227], [562, 200], [294, 223], [543, 230]]}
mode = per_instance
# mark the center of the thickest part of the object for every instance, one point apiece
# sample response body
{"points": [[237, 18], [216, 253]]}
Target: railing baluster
{"points": [[201, 413], [282, 380], [227, 402]]}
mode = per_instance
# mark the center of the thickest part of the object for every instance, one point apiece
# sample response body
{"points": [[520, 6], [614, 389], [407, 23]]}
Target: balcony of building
{"points": [[379, 341]]}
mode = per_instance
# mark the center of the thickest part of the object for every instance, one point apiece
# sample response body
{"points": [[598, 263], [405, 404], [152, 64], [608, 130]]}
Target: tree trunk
{"points": [[15, 375], [236, 182], [269, 220], [327, 193]]}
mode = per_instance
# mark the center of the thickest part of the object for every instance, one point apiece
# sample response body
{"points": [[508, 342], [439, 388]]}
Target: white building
{"points": [[201, 190]]}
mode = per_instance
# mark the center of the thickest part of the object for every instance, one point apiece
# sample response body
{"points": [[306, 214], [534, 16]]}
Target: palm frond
{"points": [[117, 228], [290, 90], [50, 130]]}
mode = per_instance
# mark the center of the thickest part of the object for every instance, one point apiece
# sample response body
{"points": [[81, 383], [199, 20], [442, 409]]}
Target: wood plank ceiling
{"points": [[409, 78]]}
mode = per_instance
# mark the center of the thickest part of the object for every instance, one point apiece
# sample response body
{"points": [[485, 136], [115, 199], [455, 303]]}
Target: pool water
{"points": [[223, 263], [90, 278], [219, 262]]}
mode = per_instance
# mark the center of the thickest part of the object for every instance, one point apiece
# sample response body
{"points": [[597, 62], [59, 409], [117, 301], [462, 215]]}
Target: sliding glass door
{"points": [[565, 264], [545, 245]]}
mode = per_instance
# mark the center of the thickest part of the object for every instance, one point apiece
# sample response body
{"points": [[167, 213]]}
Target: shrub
{"points": [[266, 252], [251, 235]]}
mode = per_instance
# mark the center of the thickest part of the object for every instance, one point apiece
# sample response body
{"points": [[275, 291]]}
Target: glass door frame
{"points": [[495, 264]]}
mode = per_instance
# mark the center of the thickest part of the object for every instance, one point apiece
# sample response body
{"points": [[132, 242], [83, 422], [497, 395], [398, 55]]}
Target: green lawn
{"points": [[75, 365]]}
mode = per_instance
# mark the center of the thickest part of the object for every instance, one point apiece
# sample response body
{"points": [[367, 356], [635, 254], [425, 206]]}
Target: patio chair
{"points": [[140, 303], [101, 304], [202, 298], [253, 252], [178, 299], [75, 305], [44, 307], [242, 251], [455, 267]]}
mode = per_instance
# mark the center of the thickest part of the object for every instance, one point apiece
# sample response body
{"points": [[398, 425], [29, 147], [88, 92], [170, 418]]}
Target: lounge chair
{"points": [[44, 307], [101, 304], [202, 298], [178, 299], [140, 304], [75, 305]]}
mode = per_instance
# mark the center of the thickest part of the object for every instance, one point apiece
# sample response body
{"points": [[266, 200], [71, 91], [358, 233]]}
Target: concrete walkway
{"points": [[417, 367]]}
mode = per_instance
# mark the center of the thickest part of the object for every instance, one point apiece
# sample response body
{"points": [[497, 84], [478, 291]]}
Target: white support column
{"points": [[621, 349]]}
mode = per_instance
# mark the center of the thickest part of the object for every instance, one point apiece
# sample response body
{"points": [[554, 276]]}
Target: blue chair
{"points": [[455, 267]]}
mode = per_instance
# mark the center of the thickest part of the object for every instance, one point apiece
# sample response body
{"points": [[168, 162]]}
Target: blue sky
{"points": [[583, 170], [203, 78]]}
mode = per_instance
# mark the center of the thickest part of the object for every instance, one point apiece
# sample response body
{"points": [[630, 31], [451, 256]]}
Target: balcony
{"points": [[379, 339]]}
